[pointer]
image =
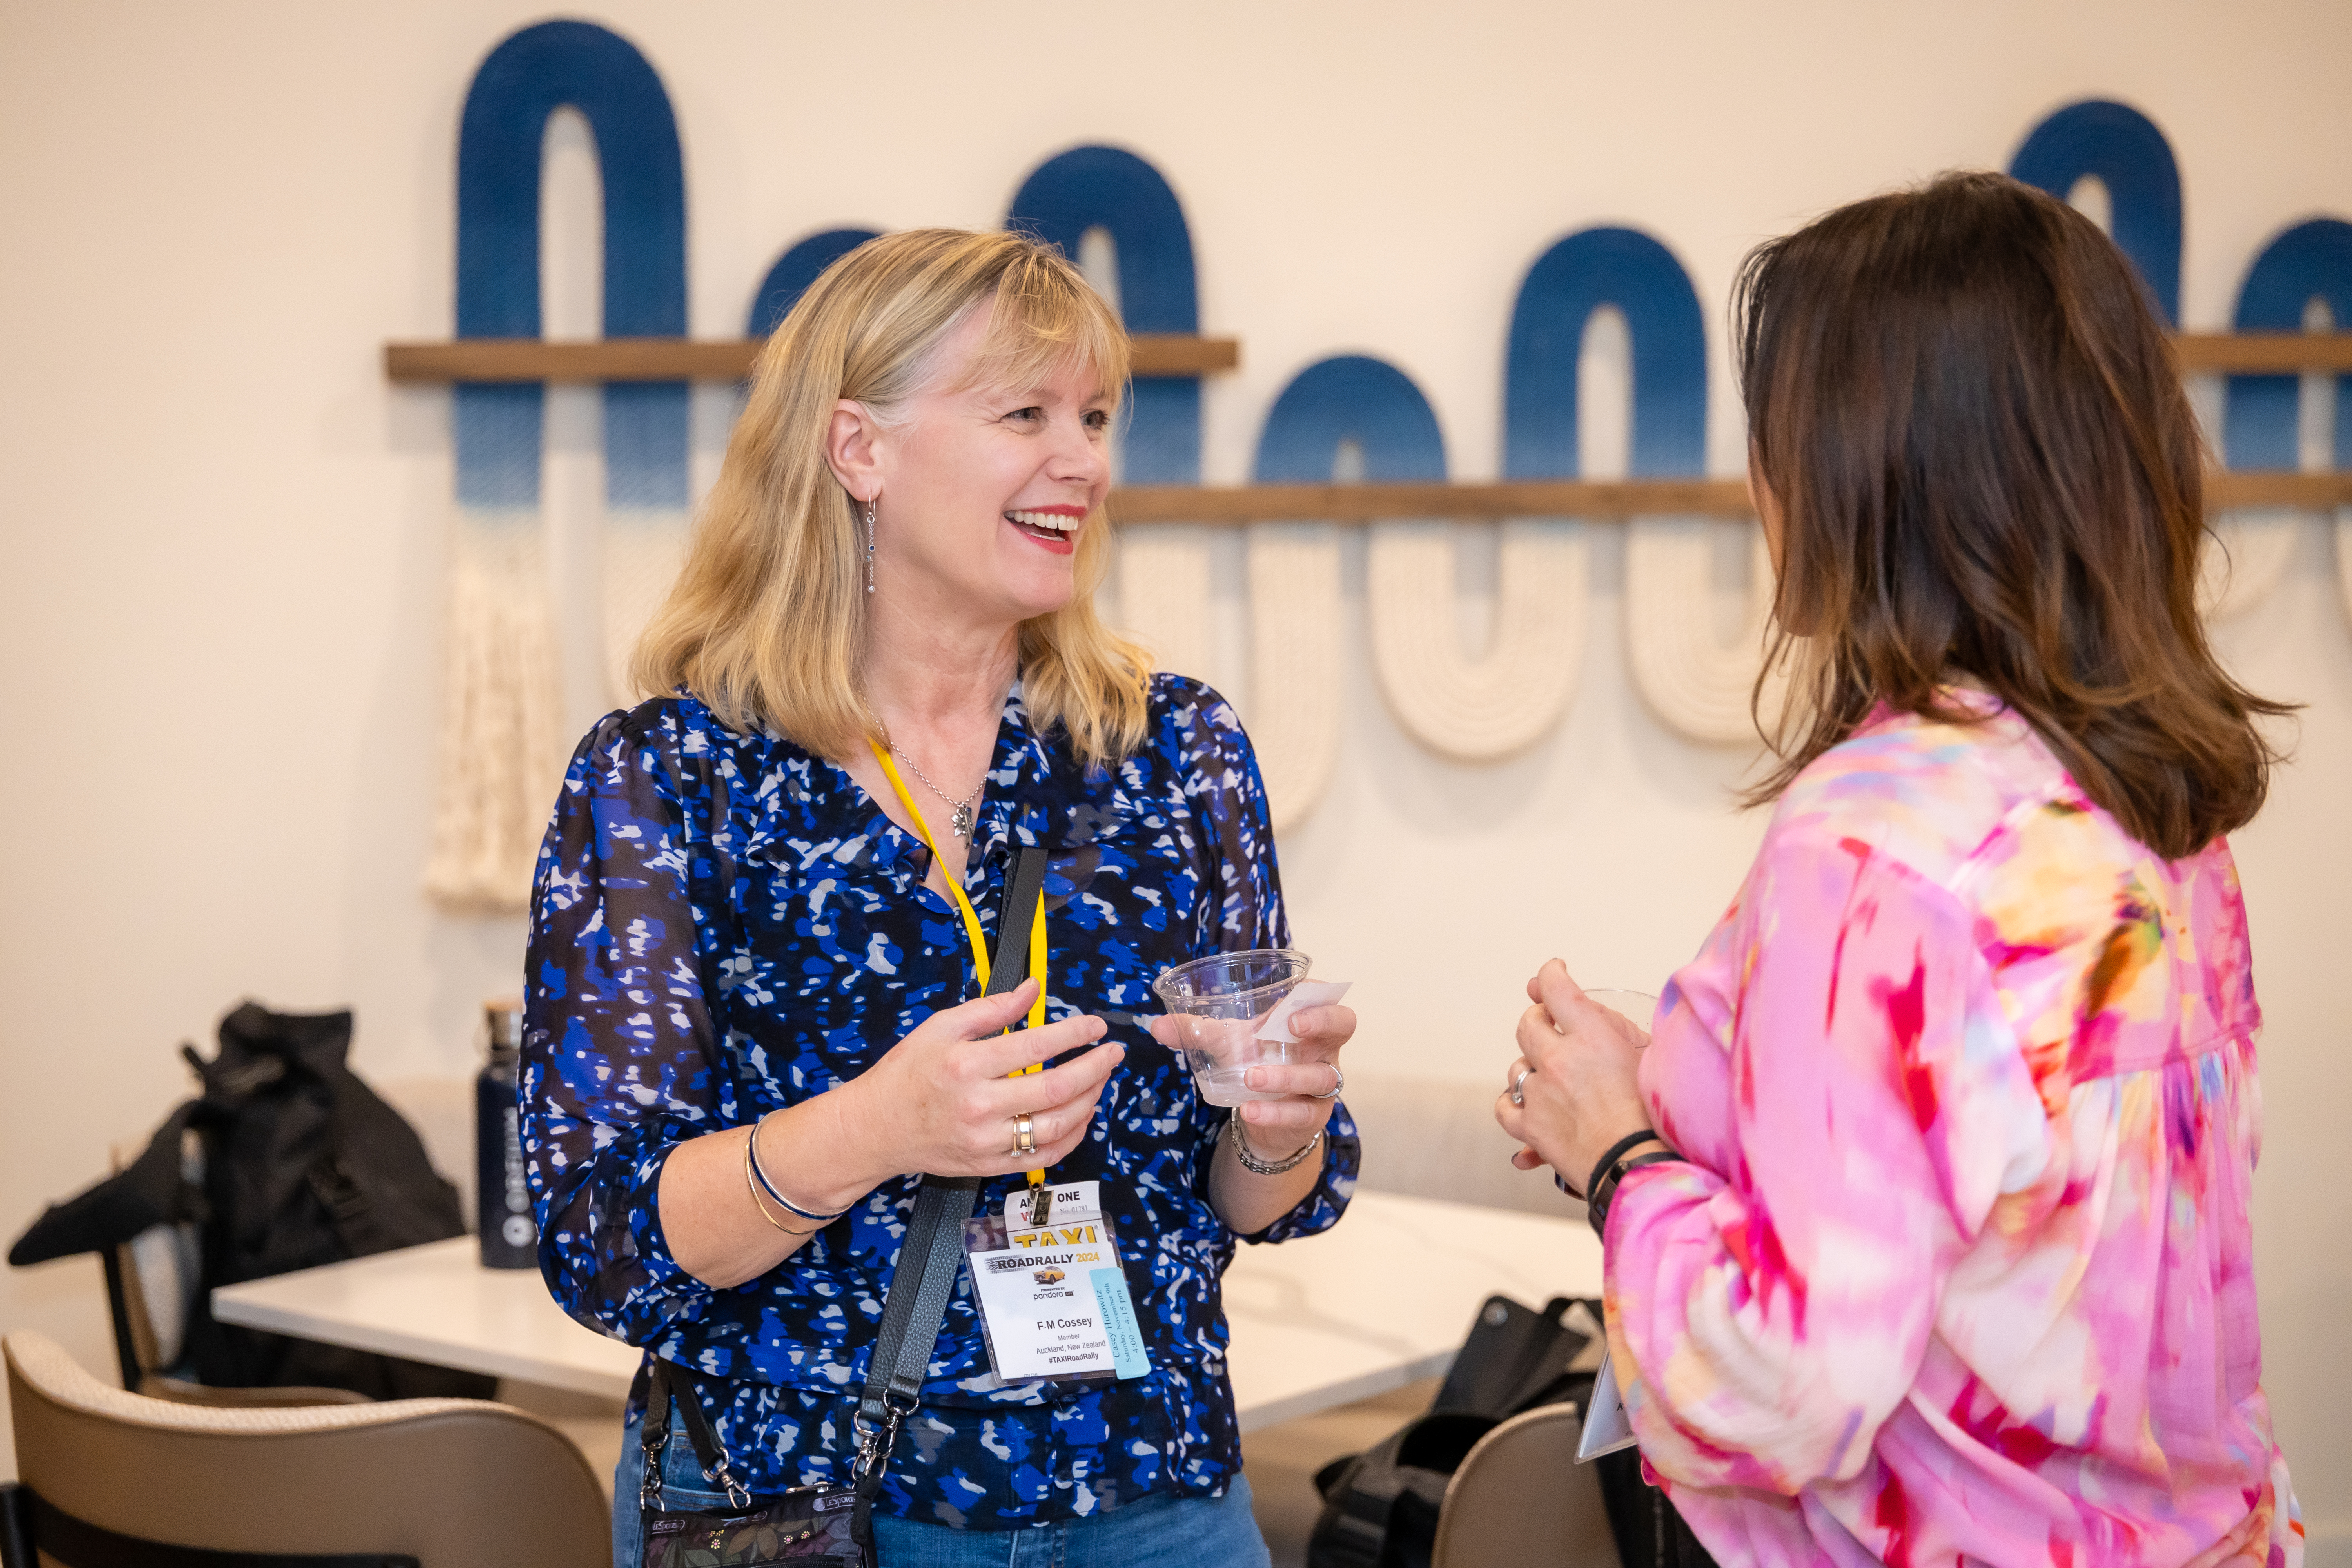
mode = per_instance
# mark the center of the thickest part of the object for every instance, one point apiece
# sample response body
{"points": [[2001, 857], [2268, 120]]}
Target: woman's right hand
{"points": [[940, 1100]]}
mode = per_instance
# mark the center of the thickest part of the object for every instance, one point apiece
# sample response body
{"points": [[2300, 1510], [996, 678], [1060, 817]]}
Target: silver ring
{"points": [[1339, 1082], [1025, 1138], [1519, 1086]]}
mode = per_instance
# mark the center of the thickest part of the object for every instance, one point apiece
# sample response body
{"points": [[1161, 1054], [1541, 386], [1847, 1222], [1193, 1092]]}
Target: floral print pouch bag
{"points": [[820, 1525]]}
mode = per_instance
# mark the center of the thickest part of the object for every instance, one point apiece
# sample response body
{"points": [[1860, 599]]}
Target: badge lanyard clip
{"points": [[1040, 1197]]}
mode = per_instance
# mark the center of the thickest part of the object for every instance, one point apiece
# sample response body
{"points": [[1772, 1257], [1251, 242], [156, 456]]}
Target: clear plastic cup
{"points": [[1218, 1002], [1637, 1007]]}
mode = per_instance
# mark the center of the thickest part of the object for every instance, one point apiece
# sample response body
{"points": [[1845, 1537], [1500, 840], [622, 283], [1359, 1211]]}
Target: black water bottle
{"points": [[502, 1197]]}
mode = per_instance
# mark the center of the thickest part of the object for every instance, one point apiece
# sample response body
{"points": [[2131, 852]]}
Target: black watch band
{"points": [[1610, 1156], [1604, 1192]]}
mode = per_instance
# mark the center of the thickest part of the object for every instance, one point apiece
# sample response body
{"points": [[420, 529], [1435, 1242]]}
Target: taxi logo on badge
{"points": [[1067, 1235]]}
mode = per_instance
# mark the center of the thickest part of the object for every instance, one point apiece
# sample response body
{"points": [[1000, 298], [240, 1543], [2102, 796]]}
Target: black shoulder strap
{"points": [[930, 1257], [1022, 888], [925, 1277]]}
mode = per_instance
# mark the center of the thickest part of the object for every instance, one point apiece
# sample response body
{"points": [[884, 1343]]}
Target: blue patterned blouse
{"points": [[724, 924]]}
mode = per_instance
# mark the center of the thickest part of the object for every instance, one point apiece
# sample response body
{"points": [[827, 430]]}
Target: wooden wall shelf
{"points": [[1161, 354], [2278, 352], [1586, 501], [2312, 490], [680, 359], [1156, 354]]}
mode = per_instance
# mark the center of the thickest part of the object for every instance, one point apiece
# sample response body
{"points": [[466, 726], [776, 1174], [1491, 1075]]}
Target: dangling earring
{"points": [[869, 539]]}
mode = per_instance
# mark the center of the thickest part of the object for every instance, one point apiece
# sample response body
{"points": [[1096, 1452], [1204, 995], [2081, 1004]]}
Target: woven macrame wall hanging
{"points": [[501, 746]]}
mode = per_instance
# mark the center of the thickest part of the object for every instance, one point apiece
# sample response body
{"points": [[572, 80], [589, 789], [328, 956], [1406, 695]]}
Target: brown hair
{"points": [[767, 619], [1988, 472]]}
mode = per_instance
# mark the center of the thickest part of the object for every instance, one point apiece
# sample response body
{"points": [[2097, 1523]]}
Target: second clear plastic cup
{"points": [[1219, 1003]]}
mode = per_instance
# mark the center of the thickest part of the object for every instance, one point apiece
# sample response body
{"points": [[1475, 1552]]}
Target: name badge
{"points": [[1053, 1299]]}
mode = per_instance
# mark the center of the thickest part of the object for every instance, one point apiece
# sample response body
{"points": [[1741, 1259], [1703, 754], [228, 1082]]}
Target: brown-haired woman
{"points": [[1939, 1251]]}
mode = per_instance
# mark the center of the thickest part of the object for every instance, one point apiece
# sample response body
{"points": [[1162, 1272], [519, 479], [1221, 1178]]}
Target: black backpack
{"points": [[302, 1164], [1381, 1508]]}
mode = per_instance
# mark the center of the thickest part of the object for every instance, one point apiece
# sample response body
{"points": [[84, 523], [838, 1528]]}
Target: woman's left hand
{"points": [[1310, 1082], [1580, 1061]]}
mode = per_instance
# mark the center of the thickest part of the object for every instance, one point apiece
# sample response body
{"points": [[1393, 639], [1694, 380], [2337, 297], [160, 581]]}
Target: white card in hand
{"points": [[1306, 993], [1606, 1426]]}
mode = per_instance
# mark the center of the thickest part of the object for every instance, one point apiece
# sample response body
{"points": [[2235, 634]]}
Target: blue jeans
{"points": [[1157, 1531]]}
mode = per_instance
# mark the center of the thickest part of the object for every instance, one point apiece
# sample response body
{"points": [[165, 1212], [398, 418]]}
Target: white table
{"points": [[1383, 1298]]}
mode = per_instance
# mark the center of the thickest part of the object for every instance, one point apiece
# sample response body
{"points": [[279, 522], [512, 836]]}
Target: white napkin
{"points": [[1606, 1426], [1306, 993]]}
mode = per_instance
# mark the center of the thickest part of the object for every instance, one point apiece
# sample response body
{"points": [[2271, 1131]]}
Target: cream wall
{"points": [[224, 532]]}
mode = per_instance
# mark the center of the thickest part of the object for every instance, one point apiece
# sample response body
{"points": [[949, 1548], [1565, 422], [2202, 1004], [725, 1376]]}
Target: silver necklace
{"points": [[960, 824]]}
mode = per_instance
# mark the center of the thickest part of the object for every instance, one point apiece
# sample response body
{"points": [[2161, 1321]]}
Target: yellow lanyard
{"points": [[971, 918]]}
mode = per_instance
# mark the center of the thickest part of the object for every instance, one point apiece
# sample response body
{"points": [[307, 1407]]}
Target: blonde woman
{"points": [[751, 981]]}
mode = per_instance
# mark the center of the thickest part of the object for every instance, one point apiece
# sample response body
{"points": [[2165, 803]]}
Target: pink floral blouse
{"points": [[1961, 1269]]}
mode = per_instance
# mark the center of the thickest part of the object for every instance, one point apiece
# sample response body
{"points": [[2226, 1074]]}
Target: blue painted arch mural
{"points": [[794, 270], [1350, 397], [1111, 188], [1640, 277], [2128, 155], [2261, 425], [525, 80]]}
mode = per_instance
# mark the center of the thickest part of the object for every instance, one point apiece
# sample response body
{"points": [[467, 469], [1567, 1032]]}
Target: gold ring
{"points": [[1025, 1138]]}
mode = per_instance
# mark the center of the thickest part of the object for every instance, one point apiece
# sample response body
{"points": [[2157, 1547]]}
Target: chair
{"points": [[441, 1482], [152, 1281], [1520, 1498]]}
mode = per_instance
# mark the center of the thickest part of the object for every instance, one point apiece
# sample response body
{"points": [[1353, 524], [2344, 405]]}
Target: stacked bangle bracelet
{"points": [[756, 1177], [1250, 1162], [753, 1182]]}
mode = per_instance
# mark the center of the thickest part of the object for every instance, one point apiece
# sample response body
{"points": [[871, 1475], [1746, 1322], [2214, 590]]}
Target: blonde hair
{"points": [[765, 622]]}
